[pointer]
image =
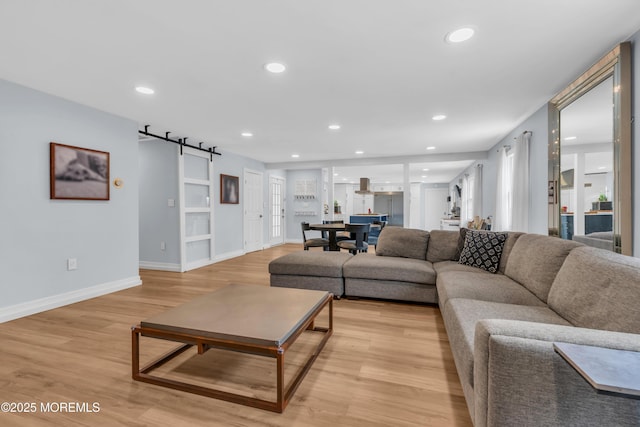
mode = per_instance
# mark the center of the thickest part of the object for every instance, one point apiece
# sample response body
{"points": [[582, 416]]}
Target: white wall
{"points": [[431, 217], [39, 234], [159, 182], [158, 221], [229, 219], [293, 230]]}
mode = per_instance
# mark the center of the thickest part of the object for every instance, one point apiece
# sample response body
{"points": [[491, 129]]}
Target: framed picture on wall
{"points": [[78, 173], [229, 189]]}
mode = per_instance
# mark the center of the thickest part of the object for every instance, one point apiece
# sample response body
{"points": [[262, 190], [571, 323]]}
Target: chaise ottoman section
{"points": [[321, 271], [395, 278]]}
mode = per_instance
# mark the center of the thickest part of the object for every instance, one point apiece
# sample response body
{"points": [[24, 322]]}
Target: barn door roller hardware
{"points": [[182, 142]]}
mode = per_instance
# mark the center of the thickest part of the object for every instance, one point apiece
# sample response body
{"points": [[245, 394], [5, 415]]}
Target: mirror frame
{"points": [[616, 63]]}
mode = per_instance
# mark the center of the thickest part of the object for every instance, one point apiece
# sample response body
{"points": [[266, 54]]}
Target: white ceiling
{"points": [[379, 68], [438, 172]]}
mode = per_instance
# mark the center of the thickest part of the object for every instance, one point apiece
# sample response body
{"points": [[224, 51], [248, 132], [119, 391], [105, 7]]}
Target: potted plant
{"points": [[336, 207]]}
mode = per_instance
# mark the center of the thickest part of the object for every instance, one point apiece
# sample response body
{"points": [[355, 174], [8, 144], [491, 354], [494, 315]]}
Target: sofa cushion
{"points": [[461, 315], [403, 242], [483, 249], [335, 285], [598, 289], [310, 263], [508, 247], [481, 285], [390, 289], [535, 260], [366, 266], [442, 266], [461, 239], [442, 245]]}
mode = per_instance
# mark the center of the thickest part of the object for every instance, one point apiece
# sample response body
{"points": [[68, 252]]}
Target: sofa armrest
{"points": [[520, 380]]}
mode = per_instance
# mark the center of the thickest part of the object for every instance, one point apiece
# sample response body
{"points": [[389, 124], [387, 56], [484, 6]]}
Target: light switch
{"points": [[171, 203]]}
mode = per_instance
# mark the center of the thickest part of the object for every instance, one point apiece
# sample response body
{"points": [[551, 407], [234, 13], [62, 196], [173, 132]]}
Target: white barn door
{"points": [[196, 213]]}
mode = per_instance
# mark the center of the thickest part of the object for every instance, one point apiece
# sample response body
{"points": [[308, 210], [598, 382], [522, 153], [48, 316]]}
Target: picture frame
{"points": [[229, 189], [77, 173]]}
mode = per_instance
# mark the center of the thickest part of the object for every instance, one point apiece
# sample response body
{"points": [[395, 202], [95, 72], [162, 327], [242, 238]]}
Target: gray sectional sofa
{"points": [[502, 326]]}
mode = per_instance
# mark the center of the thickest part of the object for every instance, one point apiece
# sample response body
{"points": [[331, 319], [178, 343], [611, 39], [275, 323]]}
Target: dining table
{"points": [[332, 230]]}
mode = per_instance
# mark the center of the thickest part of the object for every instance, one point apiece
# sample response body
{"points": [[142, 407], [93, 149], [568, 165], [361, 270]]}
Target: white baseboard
{"points": [[229, 255], [298, 241], [163, 266], [43, 304]]}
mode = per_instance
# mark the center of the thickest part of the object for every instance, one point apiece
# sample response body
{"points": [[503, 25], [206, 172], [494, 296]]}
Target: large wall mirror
{"points": [[590, 156]]}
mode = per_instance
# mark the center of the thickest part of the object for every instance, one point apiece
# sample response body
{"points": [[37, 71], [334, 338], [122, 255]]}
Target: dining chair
{"points": [[359, 233], [375, 231], [316, 242]]}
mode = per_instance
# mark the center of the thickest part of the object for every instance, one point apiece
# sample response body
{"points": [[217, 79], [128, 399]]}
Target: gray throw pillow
{"points": [[483, 249], [403, 242]]}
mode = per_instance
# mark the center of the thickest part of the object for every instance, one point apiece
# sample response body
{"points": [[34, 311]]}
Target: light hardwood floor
{"points": [[387, 363]]}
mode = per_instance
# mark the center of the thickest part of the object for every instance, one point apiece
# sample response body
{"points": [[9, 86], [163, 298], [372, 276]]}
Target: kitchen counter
{"points": [[367, 218]]}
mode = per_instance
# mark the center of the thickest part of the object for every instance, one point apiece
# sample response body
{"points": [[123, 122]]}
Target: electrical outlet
{"points": [[163, 246], [72, 264], [171, 203]]}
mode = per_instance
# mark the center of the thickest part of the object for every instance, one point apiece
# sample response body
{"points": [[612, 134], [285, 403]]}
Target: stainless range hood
{"points": [[365, 186]]}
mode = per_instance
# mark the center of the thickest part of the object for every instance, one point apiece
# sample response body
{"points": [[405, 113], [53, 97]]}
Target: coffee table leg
{"points": [[135, 352], [280, 381]]}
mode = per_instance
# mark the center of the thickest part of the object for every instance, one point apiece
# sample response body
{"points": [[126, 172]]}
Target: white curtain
{"points": [[477, 192], [502, 217], [512, 193], [520, 199]]}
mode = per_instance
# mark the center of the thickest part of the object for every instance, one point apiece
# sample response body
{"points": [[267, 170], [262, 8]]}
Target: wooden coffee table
{"points": [[233, 318]]}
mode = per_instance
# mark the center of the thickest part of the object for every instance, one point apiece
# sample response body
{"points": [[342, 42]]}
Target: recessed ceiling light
{"points": [[602, 167], [145, 90], [335, 174], [275, 67], [387, 182], [295, 156], [460, 35], [431, 148], [247, 134], [423, 176], [334, 127], [425, 169], [439, 117], [570, 138], [344, 179], [359, 152]]}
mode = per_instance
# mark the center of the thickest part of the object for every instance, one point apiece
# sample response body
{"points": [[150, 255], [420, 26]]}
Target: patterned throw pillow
{"points": [[483, 249]]}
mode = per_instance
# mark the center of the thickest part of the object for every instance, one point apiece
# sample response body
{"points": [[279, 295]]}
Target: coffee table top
{"points": [[247, 314]]}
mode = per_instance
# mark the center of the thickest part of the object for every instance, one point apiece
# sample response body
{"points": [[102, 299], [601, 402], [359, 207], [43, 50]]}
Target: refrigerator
{"points": [[390, 203]]}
